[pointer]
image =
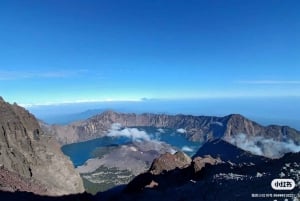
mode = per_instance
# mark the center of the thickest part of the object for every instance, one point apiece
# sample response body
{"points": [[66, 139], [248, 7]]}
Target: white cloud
{"points": [[264, 146], [187, 149], [161, 130], [116, 126], [132, 133], [181, 130], [217, 123], [79, 101], [15, 75], [270, 82]]}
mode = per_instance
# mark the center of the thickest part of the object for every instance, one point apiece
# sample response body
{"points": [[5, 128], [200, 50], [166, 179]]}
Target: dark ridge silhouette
{"points": [[209, 179], [219, 148], [28, 196]]}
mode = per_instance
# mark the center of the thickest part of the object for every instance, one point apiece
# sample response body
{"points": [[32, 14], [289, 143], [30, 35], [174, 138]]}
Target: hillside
{"points": [[32, 156]]}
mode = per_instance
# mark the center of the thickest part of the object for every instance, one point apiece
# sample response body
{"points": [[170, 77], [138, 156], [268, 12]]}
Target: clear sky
{"points": [[54, 51]]}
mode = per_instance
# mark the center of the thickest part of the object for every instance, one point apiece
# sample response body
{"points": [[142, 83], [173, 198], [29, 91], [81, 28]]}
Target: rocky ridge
{"points": [[212, 179], [198, 128], [27, 151]]}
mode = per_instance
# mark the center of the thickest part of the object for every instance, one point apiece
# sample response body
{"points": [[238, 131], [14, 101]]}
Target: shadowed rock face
{"points": [[28, 152], [198, 128], [211, 179], [29, 196], [170, 170], [219, 148]]}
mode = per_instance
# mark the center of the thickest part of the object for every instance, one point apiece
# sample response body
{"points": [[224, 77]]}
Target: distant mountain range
{"points": [[197, 128], [63, 119]]}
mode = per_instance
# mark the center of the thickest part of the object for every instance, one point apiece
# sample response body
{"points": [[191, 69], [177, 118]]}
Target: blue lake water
{"points": [[81, 152]]}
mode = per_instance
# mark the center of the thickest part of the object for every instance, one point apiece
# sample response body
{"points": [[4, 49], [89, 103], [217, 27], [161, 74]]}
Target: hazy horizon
{"points": [[263, 110]]}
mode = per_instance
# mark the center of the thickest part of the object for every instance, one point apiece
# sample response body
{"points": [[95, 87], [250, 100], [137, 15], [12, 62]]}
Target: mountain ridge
{"points": [[198, 128]]}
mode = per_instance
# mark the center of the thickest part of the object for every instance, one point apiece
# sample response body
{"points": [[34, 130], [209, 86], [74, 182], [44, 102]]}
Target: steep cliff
{"points": [[28, 152], [198, 128]]}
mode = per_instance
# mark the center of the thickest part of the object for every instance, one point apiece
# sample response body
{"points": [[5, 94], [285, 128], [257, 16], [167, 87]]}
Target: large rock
{"points": [[28, 152], [176, 166], [200, 162], [167, 162]]}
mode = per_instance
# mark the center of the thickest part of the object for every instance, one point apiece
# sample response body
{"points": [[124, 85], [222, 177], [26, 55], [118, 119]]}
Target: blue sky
{"points": [[58, 51]]}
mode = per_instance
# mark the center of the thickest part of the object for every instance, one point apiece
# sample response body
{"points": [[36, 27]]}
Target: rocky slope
{"points": [[198, 128], [119, 164], [12, 182], [210, 179], [26, 151]]}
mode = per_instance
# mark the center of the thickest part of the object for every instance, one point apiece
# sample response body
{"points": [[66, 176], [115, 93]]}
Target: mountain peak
{"points": [[235, 115], [237, 118], [108, 112]]}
